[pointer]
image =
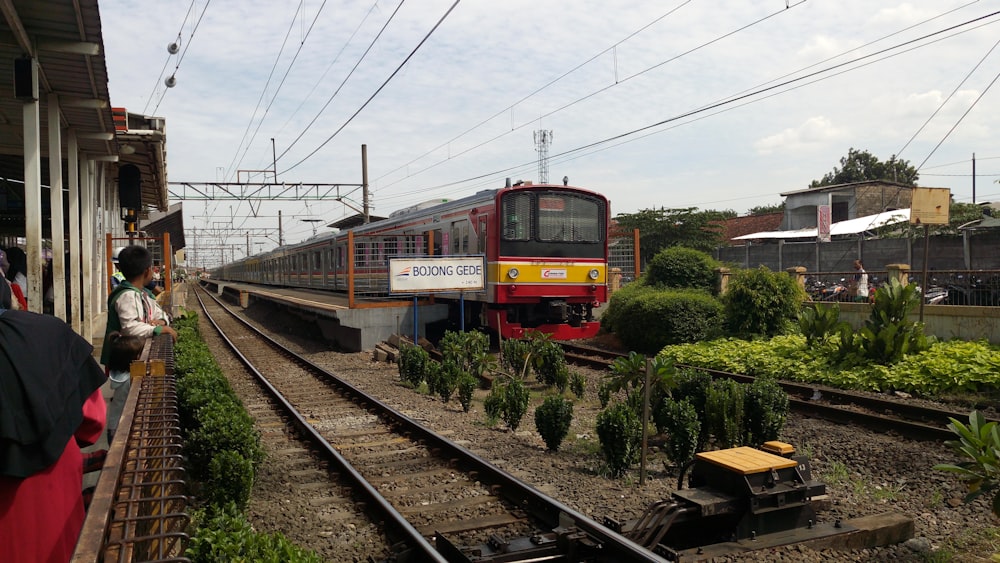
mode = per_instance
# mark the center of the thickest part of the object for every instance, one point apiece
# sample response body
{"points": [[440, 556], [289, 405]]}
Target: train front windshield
{"points": [[553, 224]]}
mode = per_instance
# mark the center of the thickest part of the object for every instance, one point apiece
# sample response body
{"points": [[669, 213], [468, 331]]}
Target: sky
{"points": [[719, 104]]}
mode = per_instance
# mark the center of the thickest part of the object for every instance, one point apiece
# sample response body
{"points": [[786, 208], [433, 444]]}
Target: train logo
{"points": [[554, 274]]}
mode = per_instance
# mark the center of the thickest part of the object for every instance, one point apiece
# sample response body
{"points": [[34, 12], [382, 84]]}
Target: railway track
{"points": [[914, 421], [439, 501]]}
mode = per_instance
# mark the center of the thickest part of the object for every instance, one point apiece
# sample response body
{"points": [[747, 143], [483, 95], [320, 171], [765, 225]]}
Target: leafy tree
{"points": [[767, 209], [860, 166], [662, 228]]}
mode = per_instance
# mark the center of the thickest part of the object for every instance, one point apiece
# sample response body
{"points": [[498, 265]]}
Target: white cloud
{"points": [[812, 132]]}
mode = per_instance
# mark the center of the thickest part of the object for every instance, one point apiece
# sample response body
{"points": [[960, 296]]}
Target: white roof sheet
{"points": [[851, 226]]}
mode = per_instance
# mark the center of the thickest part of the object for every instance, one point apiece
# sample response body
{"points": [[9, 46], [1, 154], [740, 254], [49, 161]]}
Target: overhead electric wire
{"points": [[328, 67], [538, 90], [282, 82], [380, 88], [727, 101], [263, 92], [588, 96], [343, 82], [159, 79], [946, 100], [953, 127], [187, 45]]}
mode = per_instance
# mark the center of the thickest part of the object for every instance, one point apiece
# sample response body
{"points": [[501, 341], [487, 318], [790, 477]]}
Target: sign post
{"points": [[436, 274], [929, 206]]}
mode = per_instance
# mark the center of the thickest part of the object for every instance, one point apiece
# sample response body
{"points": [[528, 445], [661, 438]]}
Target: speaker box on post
{"points": [[25, 82]]}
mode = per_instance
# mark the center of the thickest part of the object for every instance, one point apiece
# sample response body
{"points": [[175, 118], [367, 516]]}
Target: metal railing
{"points": [[139, 508]]}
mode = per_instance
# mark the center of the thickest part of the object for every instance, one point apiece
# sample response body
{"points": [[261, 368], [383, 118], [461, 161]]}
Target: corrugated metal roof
{"points": [[58, 33]]}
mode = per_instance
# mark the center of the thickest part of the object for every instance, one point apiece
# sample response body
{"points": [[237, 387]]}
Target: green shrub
{"points": [[683, 428], [692, 386], [766, 409], [621, 302], [680, 267], [548, 360], [448, 380], [230, 478], [979, 444], [760, 302], [515, 402], [412, 362], [577, 384], [493, 405], [467, 384], [432, 375], [620, 433], [515, 357], [552, 419], [225, 535], [724, 408], [655, 318], [818, 322], [222, 426], [887, 335], [604, 393]]}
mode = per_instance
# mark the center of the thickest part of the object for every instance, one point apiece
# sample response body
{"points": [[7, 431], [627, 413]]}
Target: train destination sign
{"points": [[432, 274]]}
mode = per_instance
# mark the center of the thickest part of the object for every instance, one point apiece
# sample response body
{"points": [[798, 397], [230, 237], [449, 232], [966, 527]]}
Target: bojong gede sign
{"points": [[434, 274]]}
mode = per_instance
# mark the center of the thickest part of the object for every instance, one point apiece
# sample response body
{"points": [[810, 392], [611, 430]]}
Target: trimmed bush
{"points": [[680, 267], [760, 302], [655, 318], [552, 419], [466, 387], [412, 362], [515, 403], [683, 427], [230, 478], [620, 433], [622, 301], [692, 386], [724, 408], [515, 357], [227, 536], [765, 409], [577, 384]]}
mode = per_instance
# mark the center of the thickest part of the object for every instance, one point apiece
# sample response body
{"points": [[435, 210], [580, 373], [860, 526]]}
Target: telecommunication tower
{"points": [[543, 139]]}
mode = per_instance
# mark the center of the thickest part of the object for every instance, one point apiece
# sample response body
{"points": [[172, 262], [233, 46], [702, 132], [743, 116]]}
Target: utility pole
{"points": [[248, 243], [364, 185], [281, 236], [973, 177], [274, 161]]}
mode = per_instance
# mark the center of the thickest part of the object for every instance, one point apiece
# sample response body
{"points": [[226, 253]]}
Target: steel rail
{"points": [[397, 527], [918, 422], [614, 547]]}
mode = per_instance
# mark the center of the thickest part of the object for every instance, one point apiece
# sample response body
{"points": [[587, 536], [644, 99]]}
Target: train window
{"points": [[517, 217], [569, 218]]}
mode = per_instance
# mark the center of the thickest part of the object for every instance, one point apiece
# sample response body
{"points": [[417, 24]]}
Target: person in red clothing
{"points": [[50, 403]]}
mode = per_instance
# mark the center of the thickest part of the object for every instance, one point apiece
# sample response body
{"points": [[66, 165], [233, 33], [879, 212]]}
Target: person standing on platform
{"points": [[9, 297], [15, 273], [50, 403], [124, 349], [131, 309]]}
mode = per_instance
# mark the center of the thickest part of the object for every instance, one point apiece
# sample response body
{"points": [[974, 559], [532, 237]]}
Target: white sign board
{"points": [[437, 274]]}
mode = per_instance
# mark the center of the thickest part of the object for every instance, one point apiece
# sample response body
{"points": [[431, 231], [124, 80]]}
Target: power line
{"points": [[156, 85], [344, 81], [184, 52], [743, 96], [283, 78], [953, 127], [380, 88], [746, 95], [584, 98]]}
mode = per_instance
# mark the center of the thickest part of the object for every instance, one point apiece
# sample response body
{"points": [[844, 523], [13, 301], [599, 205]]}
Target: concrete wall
{"points": [[943, 321]]}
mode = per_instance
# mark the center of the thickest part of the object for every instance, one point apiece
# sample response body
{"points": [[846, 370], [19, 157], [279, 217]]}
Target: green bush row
{"points": [[647, 318], [955, 366], [224, 452]]}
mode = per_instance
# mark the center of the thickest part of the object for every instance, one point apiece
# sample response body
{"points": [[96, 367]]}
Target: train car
{"points": [[546, 249]]}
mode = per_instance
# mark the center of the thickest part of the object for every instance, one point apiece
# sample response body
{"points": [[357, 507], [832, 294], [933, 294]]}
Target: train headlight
{"points": [[513, 273], [594, 274]]}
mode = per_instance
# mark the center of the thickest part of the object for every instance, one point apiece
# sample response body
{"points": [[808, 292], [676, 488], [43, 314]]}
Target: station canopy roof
{"points": [[849, 227]]}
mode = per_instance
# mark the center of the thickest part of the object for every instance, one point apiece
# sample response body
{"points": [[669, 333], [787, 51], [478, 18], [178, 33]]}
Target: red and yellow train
{"points": [[546, 250]]}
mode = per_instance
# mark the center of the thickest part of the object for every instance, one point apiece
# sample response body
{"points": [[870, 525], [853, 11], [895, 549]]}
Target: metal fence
{"points": [[139, 507], [622, 254], [971, 251]]}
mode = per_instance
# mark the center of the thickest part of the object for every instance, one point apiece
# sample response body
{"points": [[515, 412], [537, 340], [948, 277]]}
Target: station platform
{"points": [[350, 329]]}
